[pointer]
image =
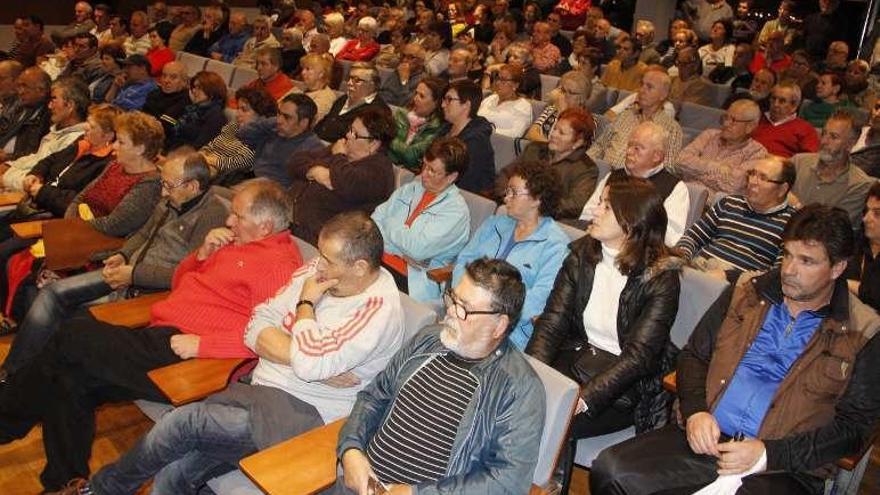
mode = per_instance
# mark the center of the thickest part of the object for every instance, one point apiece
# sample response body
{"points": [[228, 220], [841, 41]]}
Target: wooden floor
{"points": [[119, 427]]}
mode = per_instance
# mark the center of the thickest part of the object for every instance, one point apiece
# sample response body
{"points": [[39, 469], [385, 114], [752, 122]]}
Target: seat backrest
{"points": [[699, 116], [222, 69], [698, 195], [622, 94], [306, 250], [548, 84], [698, 292], [402, 176], [416, 316], [193, 63], [505, 150], [561, 394], [480, 208], [242, 76], [718, 93], [384, 74]]}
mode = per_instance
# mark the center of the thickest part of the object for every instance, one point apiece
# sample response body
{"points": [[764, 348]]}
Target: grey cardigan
{"points": [[131, 213]]}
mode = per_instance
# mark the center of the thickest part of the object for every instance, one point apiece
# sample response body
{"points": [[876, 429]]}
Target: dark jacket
{"points": [[648, 306], [271, 151], [200, 45], [199, 124], [480, 174], [64, 176], [167, 107], [578, 175], [496, 444], [334, 126], [828, 403], [28, 130], [359, 185]]}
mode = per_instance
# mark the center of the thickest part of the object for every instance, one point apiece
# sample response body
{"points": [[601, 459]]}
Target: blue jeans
{"points": [[194, 443], [53, 304]]}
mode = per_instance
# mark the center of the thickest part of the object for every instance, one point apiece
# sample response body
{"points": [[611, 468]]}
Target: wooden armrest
{"points": [[304, 464], [10, 198], [669, 383], [28, 230], [441, 275], [194, 379], [70, 242], [132, 313]]}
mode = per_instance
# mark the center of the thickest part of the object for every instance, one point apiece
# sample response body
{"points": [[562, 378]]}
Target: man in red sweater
{"points": [[780, 130], [88, 363]]}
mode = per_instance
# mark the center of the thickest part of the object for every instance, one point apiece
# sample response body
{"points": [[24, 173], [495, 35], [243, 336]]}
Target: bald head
{"points": [[174, 78], [33, 86], [9, 72], [645, 149]]}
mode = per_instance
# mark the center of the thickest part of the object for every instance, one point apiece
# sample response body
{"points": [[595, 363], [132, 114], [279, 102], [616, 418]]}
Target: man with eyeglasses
{"points": [[719, 158], [361, 93], [399, 89], [828, 177], [743, 232], [689, 85], [458, 408], [23, 126], [323, 338], [780, 130]]}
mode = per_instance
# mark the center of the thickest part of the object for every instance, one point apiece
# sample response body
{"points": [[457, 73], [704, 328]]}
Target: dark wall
{"points": [[61, 11]]}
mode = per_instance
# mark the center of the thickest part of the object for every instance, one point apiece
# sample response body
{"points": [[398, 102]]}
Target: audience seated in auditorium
{"points": [[399, 88], [626, 70], [647, 145], [354, 173], [731, 372], [828, 177], [227, 48], [364, 47], [704, 14], [784, 23], [759, 89], [86, 62], [836, 57], [719, 158], [829, 88], [574, 91], [737, 74], [112, 57], [509, 113], [317, 69], [158, 15], [291, 51], [101, 16], [780, 130], [471, 354], [866, 152], [168, 101], [32, 43], [743, 233], [773, 57], [211, 31], [460, 105], [360, 94], [159, 54], [801, 73], [689, 86], [435, 44], [130, 88], [9, 72], [214, 292], [644, 37], [82, 23], [863, 273], [418, 125], [334, 24], [190, 23], [545, 55], [203, 118], [719, 51], [610, 145], [425, 223], [116, 34], [267, 61], [261, 37], [23, 126], [138, 40], [858, 90]]}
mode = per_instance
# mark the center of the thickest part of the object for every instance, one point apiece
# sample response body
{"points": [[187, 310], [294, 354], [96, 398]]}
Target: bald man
{"points": [[168, 101], [9, 72]]}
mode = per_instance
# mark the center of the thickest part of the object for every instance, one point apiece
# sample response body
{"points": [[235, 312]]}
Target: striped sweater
{"points": [[733, 232], [358, 333]]}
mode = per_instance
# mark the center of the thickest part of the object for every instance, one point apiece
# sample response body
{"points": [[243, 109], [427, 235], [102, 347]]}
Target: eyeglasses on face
{"points": [[170, 186], [447, 99], [354, 135], [450, 301], [514, 193], [763, 177], [724, 119]]}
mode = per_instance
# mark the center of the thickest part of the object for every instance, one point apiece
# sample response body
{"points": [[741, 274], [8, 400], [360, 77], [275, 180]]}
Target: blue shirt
{"points": [[133, 96], [779, 343]]}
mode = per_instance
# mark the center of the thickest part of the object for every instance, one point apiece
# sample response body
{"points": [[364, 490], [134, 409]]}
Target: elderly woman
{"points": [[606, 323], [364, 47], [526, 236], [574, 91], [316, 73], [529, 82], [719, 51], [509, 112], [566, 153], [230, 160], [419, 125], [203, 119], [159, 54], [425, 223], [334, 23], [460, 105]]}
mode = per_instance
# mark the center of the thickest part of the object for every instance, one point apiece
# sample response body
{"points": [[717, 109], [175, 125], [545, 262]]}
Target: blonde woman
{"points": [[316, 73]]}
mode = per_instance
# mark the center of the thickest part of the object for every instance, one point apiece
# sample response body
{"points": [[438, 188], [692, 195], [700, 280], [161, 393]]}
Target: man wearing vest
{"points": [[777, 382], [645, 152]]}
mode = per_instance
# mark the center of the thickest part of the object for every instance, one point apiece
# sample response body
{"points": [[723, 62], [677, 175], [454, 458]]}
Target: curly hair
{"points": [[104, 115], [541, 181], [142, 129]]}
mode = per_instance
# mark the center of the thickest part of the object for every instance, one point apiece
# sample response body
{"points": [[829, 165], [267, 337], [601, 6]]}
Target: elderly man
{"points": [[611, 144], [261, 36], [267, 61], [689, 85], [459, 378], [836, 57], [191, 23], [780, 130], [275, 139], [68, 106], [744, 232], [88, 362], [645, 152], [304, 339], [169, 100], [26, 121], [828, 177], [625, 71], [398, 91], [82, 23], [33, 43], [460, 61], [644, 36], [718, 158], [354, 174], [307, 25], [787, 362], [86, 62], [211, 30], [230, 45], [130, 88], [145, 262], [138, 41], [360, 94], [9, 72], [545, 55]]}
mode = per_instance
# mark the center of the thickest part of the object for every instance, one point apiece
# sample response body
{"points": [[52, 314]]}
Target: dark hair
{"points": [[836, 79], [113, 51], [305, 106], [259, 99], [76, 92], [36, 20], [212, 84], [827, 225], [379, 123], [452, 152], [728, 28], [789, 172], [161, 33], [437, 87], [639, 210], [93, 42], [361, 237], [468, 91], [504, 282], [123, 20], [541, 180], [874, 192]]}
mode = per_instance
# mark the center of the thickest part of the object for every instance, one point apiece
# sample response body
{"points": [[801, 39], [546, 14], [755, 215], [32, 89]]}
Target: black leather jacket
{"points": [[648, 306]]}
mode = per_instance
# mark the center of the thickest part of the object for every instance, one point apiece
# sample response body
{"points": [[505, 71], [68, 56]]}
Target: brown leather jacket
{"points": [[828, 403]]}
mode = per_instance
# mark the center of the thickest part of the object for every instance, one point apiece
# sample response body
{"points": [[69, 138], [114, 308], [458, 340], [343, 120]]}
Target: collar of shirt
{"points": [[783, 121], [347, 108]]}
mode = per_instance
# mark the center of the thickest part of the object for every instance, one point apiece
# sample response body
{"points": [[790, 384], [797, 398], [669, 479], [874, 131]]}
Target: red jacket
{"points": [[351, 51], [214, 298]]}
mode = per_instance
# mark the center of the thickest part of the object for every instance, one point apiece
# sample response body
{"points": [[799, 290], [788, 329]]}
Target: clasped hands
{"points": [[733, 457]]}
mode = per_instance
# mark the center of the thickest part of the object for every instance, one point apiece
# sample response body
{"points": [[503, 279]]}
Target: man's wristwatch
{"points": [[305, 301]]}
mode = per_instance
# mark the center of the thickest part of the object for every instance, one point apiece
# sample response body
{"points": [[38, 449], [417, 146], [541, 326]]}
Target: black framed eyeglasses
{"points": [[763, 177], [458, 309], [355, 135]]}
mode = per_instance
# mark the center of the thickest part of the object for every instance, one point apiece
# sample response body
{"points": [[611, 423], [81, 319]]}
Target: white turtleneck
{"points": [[600, 315]]}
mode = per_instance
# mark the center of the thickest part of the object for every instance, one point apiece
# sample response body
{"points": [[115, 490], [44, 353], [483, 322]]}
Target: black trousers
{"points": [[661, 462], [86, 364]]}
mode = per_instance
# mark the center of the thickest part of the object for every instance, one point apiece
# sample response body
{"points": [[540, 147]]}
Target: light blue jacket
{"points": [[436, 236], [538, 258]]}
